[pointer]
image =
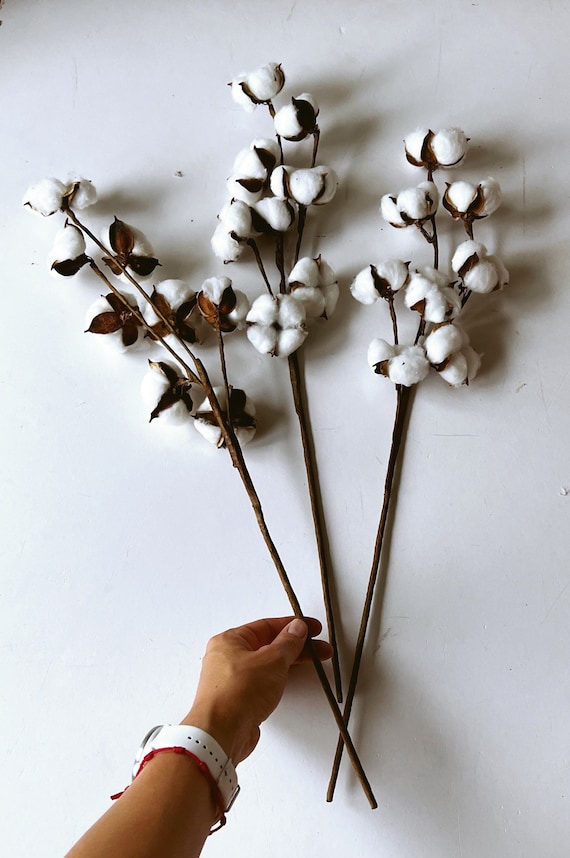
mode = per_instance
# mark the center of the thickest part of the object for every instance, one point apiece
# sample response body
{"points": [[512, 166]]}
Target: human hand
{"points": [[244, 672]]}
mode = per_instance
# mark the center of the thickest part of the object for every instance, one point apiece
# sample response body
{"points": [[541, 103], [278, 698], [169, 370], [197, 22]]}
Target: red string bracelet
{"points": [[216, 794]]}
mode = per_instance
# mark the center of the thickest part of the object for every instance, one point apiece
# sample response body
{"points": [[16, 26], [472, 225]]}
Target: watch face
{"points": [[141, 751]]}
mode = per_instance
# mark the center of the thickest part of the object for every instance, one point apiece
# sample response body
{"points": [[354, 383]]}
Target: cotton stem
{"points": [[253, 244], [325, 565], [402, 405]]}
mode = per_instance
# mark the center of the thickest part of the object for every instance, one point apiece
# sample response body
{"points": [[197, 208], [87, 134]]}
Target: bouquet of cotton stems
{"points": [[438, 296], [174, 317]]}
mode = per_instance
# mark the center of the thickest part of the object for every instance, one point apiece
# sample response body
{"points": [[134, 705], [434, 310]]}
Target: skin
{"points": [[169, 809]]}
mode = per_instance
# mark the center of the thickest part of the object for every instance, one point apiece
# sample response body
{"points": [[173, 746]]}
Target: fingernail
{"points": [[297, 628]]}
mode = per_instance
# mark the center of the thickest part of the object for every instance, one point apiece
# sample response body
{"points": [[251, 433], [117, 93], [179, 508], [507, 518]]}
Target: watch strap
{"points": [[201, 745]]}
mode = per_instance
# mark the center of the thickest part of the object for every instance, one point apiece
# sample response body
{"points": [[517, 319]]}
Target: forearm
{"points": [[168, 811]]}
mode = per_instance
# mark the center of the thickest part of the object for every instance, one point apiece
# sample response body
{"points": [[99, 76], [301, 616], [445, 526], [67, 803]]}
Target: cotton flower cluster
{"points": [[436, 295], [267, 199]]}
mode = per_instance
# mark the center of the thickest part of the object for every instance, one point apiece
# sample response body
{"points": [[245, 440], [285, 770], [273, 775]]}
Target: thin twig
{"points": [[253, 244]]}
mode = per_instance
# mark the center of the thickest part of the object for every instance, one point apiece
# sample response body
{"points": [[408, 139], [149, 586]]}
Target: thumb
{"points": [[291, 640]]}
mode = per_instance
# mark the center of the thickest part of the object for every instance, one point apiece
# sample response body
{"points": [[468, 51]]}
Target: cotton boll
{"points": [[492, 196], [236, 217], [240, 94], [330, 180], [154, 386], [413, 145], [267, 150], [277, 213], [419, 203], [244, 188], [214, 287], [306, 272], [67, 255], [45, 198], [176, 293], [449, 146], [312, 299], [113, 338], [266, 82], [264, 311], [427, 294], [331, 294], [455, 371], [290, 340], [313, 186], [84, 195], [443, 342], [473, 362], [258, 86], [363, 287], [404, 365], [279, 181], [238, 314], [224, 245], [297, 120], [503, 274], [276, 324], [379, 351], [390, 211], [483, 277], [248, 164], [459, 196], [408, 366], [291, 312], [394, 272], [465, 254], [263, 338]]}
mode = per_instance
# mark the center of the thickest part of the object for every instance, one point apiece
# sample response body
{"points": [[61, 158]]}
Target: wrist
{"points": [[222, 728]]}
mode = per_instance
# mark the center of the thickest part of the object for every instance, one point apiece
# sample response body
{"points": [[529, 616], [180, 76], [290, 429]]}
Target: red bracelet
{"points": [[216, 794]]}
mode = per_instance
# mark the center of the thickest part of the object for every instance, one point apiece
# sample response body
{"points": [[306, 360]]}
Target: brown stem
{"points": [[300, 229], [402, 404], [316, 138], [223, 366], [394, 318], [280, 260], [468, 228], [253, 244], [300, 401]]}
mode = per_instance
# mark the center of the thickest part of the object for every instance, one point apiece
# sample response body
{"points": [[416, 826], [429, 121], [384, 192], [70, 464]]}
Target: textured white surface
{"points": [[123, 548]]}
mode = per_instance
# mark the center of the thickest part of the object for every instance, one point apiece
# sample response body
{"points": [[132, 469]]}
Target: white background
{"points": [[124, 547]]}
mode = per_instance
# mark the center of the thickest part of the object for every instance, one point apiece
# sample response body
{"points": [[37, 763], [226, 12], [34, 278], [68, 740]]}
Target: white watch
{"points": [[203, 746]]}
